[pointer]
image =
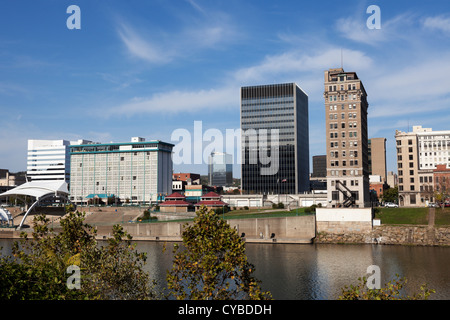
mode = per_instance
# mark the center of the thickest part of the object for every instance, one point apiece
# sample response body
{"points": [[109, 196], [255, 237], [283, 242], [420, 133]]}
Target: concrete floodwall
{"points": [[343, 220], [299, 229]]}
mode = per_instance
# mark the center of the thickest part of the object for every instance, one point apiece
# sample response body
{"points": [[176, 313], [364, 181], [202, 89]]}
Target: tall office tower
{"points": [[275, 139], [134, 172], [419, 153], [377, 158], [220, 169], [49, 159], [347, 143]]}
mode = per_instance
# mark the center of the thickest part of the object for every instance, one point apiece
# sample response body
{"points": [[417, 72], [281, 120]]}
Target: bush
{"points": [[221, 210], [245, 208], [212, 263], [280, 205], [146, 215]]}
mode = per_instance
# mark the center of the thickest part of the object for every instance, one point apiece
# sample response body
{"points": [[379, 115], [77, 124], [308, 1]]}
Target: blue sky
{"points": [[147, 68]]}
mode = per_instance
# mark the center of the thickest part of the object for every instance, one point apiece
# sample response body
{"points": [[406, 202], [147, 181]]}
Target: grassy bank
{"points": [[414, 216]]}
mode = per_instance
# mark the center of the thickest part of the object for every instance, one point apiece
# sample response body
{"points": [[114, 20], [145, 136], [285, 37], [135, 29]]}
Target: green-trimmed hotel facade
{"points": [[136, 172]]}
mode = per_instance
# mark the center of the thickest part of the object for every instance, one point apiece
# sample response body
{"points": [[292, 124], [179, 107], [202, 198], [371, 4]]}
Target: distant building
{"points": [[193, 178], [377, 185], [275, 139], [211, 200], [8, 179], [392, 179], [220, 169], [50, 159], [319, 166], [441, 177], [419, 154], [175, 203], [129, 172], [346, 110], [377, 157]]}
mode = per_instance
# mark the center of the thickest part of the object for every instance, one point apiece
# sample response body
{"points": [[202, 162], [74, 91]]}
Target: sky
{"points": [[153, 68]]}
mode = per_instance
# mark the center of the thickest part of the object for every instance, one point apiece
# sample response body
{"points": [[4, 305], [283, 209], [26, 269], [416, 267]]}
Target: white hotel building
{"points": [[133, 172], [49, 159]]}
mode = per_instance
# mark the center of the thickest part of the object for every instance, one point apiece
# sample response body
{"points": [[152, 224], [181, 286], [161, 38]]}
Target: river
{"points": [[319, 271]]}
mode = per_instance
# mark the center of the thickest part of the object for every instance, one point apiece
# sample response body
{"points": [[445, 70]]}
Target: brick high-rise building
{"points": [[347, 142]]}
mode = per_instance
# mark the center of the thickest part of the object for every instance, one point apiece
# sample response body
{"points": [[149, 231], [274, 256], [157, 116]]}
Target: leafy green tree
{"points": [[390, 195], [39, 266], [212, 265], [391, 291]]}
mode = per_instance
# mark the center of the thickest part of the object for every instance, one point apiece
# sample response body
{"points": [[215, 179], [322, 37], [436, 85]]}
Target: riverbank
{"points": [[418, 233], [286, 228]]}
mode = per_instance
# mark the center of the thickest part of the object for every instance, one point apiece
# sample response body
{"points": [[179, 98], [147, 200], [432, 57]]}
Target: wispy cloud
{"points": [[355, 28], [173, 102], [143, 48], [212, 30], [293, 62], [440, 23]]}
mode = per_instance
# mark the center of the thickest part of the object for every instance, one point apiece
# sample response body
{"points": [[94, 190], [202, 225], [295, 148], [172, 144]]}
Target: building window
{"points": [[335, 195]]}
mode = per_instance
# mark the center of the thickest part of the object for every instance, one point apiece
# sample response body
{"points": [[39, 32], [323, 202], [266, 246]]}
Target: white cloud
{"points": [[143, 48], [356, 29], [293, 62], [182, 101], [437, 23], [212, 30]]}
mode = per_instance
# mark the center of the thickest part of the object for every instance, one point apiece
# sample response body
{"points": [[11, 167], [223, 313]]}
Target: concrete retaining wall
{"points": [[299, 229], [343, 220], [390, 234]]}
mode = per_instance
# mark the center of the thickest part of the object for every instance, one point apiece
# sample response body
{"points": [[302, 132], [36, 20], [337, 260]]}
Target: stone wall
{"points": [[391, 234]]}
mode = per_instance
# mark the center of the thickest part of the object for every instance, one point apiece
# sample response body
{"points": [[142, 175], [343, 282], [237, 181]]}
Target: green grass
{"points": [[415, 216], [442, 217]]}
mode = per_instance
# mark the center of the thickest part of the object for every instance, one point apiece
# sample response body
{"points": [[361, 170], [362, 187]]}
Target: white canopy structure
{"points": [[40, 190]]}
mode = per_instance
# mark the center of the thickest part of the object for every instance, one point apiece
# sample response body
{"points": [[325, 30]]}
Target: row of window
{"points": [[344, 172], [335, 107], [268, 115], [334, 116], [351, 134], [342, 97], [336, 145], [334, 125], [352, 163], [350, 86]]}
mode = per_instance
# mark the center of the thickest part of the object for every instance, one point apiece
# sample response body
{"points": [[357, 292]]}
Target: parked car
{"points": [[433, 205], [391, 205], [447, 204]]}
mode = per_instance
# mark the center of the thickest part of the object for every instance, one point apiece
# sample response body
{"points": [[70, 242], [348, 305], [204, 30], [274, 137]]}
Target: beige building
{"points": [[8, 179], [377, 158], [418, 154], [347, 142]]}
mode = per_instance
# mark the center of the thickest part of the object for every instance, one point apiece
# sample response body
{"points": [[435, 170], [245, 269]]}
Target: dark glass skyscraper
{"points": [[275, 139]]}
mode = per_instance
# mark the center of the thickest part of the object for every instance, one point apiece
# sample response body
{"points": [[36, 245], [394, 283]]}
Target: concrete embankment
{"points": [[298, 229]]}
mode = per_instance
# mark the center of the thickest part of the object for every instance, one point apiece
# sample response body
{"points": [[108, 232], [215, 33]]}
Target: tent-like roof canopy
{"points": [[38, 189]]}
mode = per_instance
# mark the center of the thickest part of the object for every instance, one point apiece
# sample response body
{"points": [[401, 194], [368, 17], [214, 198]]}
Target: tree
{"points": [[391, 291], [39, 269], [390, 195], [213, 263]]}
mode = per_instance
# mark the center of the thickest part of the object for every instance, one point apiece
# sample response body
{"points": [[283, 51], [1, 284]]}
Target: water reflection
{"points": [[318, 272]]}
